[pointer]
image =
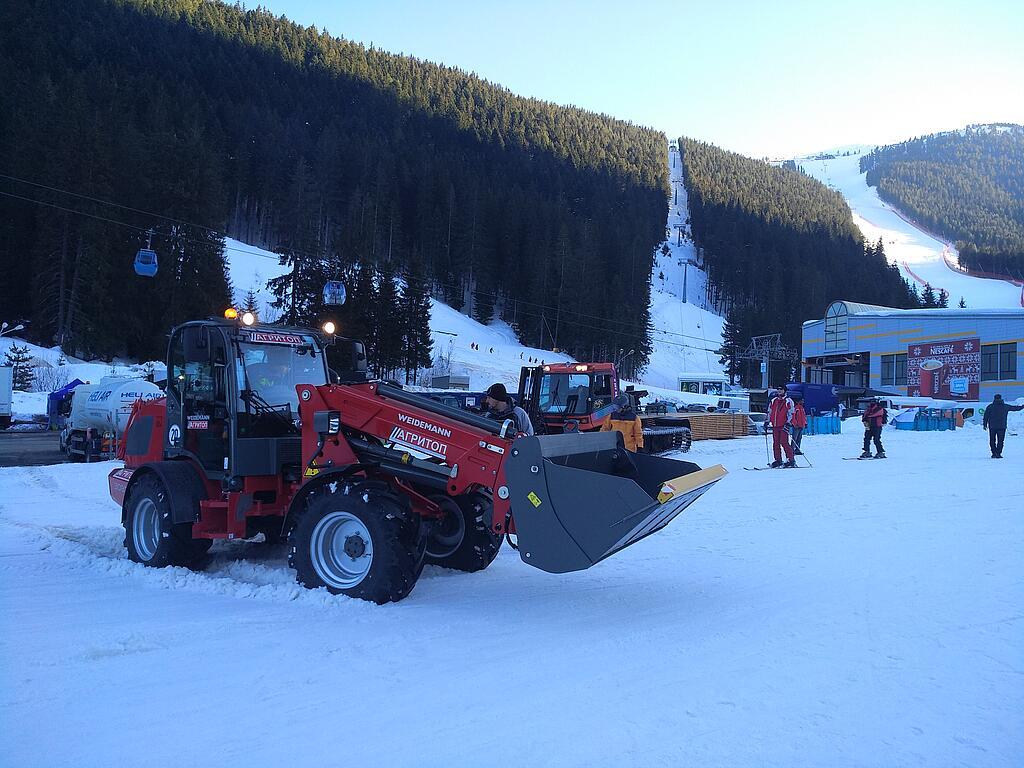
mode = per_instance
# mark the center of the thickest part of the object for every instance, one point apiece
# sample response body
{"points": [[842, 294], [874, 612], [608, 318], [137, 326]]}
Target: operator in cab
{"points": [[500, 406]]}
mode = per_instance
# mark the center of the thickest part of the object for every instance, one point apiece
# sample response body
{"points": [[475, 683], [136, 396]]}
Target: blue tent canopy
{"points": [[53, 401]]}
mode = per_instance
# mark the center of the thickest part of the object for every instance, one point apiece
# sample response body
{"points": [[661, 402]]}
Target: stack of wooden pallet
{"points": [[717, 426]]}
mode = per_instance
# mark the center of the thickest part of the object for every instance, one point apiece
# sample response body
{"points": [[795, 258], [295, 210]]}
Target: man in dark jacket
{"points": [[500, 407], [995, 422], [874, 419]]}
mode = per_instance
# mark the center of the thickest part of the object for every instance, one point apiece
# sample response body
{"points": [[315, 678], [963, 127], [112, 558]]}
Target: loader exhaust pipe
{"points": [[579, 498]]}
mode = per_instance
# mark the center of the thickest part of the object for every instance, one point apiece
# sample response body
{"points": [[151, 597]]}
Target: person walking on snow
{"points": [[780, 417], [624, 419], [874, 419], [799, 424], [994, 421]]}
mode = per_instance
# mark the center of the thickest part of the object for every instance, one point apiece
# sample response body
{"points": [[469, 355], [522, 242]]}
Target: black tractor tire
{"points": [[149, 535], [359, 541], [466, 542]]}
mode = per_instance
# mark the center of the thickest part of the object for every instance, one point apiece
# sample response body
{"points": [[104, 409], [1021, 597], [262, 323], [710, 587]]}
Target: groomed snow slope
{"points": [[920, 256], [853, 614], [686, 335]]}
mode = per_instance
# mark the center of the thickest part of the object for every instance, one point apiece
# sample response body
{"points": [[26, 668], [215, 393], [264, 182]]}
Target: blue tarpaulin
{"points": [[53, 402]]}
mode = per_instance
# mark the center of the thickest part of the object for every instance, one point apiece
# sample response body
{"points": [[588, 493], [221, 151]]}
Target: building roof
{"points": [[872, 310]]}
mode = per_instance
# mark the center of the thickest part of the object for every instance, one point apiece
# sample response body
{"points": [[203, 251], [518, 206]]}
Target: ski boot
{"points": [[776, 464], [789, 464], [865, 455], [880, 455]]}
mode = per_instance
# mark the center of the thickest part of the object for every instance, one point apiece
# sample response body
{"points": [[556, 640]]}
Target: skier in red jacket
{"points": [[874, 419], [799, 424], [780, 416]]}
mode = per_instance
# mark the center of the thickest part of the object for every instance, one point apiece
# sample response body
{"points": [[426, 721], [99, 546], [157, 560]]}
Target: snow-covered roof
{"points": [[871, 310]]}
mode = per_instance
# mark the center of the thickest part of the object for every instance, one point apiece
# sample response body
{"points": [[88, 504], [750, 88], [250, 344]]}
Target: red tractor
{"points": [[576, 397], [367, 482]]}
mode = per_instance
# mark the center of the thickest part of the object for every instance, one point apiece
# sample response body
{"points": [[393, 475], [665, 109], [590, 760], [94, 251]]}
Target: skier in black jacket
{"points": [[995, 422]]}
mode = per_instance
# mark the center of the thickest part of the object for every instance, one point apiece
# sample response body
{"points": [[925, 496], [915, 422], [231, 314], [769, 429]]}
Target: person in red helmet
{"points": [[780, 417]]}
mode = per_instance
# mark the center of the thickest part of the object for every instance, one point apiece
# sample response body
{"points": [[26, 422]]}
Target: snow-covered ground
{"points": [[922, 258], [686, 335], [852, 614]]}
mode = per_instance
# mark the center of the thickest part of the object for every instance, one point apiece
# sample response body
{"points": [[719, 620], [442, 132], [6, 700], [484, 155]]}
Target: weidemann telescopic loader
{"points": [[367, 482]]}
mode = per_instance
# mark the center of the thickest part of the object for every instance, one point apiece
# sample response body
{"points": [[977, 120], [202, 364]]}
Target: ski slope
{"points": [[686, 334], [921, 257], [789, 618]]}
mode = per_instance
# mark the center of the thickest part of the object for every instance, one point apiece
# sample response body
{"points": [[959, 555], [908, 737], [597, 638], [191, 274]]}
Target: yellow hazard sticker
{"points": [[312, 472], [534, 498]]}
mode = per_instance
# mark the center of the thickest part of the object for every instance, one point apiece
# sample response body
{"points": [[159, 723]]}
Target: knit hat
{"points": [[498, 392], [997, 397], [620, 401]]}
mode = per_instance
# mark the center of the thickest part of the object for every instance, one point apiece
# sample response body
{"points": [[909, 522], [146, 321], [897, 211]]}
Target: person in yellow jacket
{"points": [[624, 419]]}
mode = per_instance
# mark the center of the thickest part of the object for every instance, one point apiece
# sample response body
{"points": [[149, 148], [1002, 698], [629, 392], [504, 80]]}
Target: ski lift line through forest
{"points": [[108, 202], [260, 253], [492, 295]]}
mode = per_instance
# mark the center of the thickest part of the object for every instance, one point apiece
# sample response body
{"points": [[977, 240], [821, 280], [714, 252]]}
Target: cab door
{"points": [[197, 414]]}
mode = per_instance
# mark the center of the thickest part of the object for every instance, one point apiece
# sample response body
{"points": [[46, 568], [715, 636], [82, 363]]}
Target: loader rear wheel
{"points": [[150, 536], [356, 542], [464, 540]]}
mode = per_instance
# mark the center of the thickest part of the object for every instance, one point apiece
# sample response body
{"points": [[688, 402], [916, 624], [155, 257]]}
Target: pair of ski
{"points": [[862, 458], [758, 469]]}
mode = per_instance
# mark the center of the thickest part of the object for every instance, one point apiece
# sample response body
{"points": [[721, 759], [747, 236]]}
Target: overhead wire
{"points": [[262, 254]]}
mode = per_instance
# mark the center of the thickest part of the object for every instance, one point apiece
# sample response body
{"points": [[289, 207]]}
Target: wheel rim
{"points": [[146, 529], [448, 536], [341, 550]]}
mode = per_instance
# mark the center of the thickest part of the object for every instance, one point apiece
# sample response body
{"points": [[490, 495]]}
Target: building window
{"points": [[836, 320], [999, 362], [990, 362], [888, 370], [820, 376], [1008, 362], [894, 370], [901, 370]]}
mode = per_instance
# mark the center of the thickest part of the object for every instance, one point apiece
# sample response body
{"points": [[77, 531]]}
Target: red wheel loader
{"points": [[367, 482]]}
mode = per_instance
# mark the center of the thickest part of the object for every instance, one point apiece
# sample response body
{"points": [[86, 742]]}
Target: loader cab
{"points": [[568, 396], [232, 405]]}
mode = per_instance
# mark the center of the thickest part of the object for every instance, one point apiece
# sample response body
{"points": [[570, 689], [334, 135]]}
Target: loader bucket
{"points": [[578, 498]]}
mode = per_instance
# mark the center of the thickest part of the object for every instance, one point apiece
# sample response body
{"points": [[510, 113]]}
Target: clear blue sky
{"points": [[762, 78]]}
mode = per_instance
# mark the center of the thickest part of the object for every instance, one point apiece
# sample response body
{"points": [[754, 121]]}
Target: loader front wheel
{"points": [[150, 536], [356, 542], [463, 541]]}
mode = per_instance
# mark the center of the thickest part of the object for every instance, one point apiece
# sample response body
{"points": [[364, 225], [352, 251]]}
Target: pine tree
{"points": [[962, 304], [20, 359], [250, 303], [415, 313], [733, 345], [943, 300], [388, 325], [928, 299]]}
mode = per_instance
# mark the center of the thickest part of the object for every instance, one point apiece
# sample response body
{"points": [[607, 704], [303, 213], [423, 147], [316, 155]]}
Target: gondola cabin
{"points": [[334, 293], [145, 263]]}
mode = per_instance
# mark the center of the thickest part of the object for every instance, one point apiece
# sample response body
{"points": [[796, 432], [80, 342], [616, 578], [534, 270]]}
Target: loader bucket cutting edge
{"points": [[579, 498]]}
